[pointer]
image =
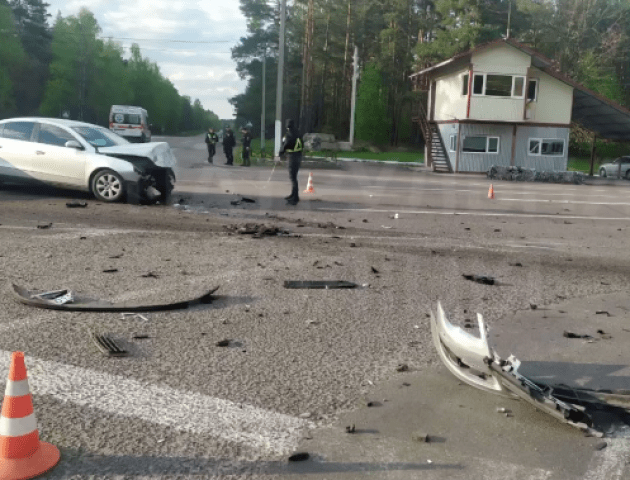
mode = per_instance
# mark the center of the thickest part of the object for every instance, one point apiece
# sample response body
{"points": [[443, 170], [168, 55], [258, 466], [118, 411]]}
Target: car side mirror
{"points": [[73, 144]]}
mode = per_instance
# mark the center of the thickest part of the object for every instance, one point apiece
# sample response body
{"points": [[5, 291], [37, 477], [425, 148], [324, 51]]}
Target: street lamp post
{"points": [[264, 91], [278, 140]]}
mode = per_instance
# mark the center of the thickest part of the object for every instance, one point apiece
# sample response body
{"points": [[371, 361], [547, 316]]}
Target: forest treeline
{"points": [[588, 39], [68, 67]]}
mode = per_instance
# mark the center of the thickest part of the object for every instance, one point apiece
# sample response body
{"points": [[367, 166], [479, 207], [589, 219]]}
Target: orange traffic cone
{"points": [[309, 185], [491, 192], [22, 454]]}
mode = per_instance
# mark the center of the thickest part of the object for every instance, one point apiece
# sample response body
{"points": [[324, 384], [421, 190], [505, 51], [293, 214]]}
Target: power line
{"points": [[167, 40]]}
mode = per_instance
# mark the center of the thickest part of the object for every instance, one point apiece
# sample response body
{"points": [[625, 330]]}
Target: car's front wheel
{"points": [[602, 172], [107, 186]]}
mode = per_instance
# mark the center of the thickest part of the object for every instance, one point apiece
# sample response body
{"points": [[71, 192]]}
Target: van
{"points": [[130, 122]]}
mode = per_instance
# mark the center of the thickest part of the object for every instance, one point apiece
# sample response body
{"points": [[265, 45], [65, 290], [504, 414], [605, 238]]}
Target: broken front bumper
{"points": [[152, 186], [474, 361]]}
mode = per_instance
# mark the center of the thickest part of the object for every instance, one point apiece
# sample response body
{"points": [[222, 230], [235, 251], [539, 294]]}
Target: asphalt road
{"points": [[302, 364]]}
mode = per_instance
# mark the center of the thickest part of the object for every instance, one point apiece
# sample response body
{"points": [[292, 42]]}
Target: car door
{"points": [[53, 161], [16, 149]]}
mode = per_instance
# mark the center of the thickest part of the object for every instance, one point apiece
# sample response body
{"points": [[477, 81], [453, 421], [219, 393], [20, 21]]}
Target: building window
{"points": [[490, 85], [532, 90], [518, 87], [465, 80], [453, 146], [478, 84], [481, 144], [498, 86], [551, 147]]}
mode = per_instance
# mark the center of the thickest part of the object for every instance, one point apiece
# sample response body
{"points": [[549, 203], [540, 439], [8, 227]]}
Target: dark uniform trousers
{"points": [[295, 160], [227, 149]]}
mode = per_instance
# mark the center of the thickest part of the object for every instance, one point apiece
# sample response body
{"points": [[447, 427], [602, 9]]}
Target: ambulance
{"points": [[129, 122]]}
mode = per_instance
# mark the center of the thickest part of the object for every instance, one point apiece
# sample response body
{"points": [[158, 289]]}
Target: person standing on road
{"points": [[292, 144], [211, 140], [247, 141], [229, 142]]}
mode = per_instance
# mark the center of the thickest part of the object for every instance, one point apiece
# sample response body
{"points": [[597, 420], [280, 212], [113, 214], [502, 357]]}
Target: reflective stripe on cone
{"points": [[22, 454]]}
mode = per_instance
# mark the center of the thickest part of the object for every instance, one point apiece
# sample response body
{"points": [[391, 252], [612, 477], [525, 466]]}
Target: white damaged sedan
{"points": [[82, 156]]}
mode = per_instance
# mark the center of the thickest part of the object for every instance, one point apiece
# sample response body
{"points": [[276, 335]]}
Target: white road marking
{"points": [[450, 190], [25, 322], [609, 463], [473, 214], [563, 202], [185, 411]]}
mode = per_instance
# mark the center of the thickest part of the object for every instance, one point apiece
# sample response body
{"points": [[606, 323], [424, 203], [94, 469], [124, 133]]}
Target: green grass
{"points": [[405, 157], [583, 165]]}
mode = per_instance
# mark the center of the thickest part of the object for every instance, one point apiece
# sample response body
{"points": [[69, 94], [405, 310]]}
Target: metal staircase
{"points": [[438, 158]]}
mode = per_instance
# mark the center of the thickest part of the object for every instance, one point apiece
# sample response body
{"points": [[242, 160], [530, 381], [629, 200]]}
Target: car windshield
{"points": [[100, 137]]}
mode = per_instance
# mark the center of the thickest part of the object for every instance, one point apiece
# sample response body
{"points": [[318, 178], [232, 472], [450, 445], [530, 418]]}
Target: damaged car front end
{"points": [[153, 176], [473, 360]]}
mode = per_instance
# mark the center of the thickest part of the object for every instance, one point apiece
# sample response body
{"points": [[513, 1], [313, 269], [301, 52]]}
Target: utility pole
{"points": [[509, 18], [283, 8], [353, 100], [264, 106]]}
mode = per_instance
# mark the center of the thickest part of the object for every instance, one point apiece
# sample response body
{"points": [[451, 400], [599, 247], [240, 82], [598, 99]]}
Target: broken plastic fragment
{"points": [[472, 360]]}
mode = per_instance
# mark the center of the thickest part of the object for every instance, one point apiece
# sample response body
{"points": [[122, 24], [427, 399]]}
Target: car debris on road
{"points": [[258, 230], [82, 303], [482, 279], [108, 346], [76, 204], [575, 335], [319, 284], [472, 360]]}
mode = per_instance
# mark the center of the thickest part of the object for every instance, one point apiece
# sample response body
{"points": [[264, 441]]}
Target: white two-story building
{"points": [[502, 103]]}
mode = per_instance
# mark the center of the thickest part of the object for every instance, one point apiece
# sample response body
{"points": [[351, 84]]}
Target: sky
{"points": [[200, 70]]}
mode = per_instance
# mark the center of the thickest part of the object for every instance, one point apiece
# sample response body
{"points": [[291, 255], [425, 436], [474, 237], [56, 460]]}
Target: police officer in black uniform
{"points": [[211, 140], [292, 144], [247, 142], [229, 142]]}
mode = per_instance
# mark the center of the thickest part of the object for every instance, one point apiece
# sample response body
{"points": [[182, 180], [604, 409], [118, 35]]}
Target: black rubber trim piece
{"points": [[321, 284], [84, 304], [108, 346]]}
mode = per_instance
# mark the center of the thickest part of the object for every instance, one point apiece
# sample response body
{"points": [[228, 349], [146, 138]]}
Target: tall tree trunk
{"points": [[307, 69], [321, 102], [346, 76]]}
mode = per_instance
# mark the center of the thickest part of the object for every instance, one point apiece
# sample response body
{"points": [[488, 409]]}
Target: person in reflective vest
{"points": [[211, 140], [292, 144], [247, 142]]}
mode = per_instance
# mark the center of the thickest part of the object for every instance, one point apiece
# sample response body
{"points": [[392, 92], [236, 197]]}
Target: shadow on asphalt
{"points": [[74, 462], [206, 202], [578, 375], [14, 192]]}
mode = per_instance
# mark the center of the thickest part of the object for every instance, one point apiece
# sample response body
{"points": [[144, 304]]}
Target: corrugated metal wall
{"points": [[481, 162], [540, 163], [446, 130]]}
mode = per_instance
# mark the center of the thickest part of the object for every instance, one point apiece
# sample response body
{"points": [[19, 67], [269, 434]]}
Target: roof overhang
{"points": [[607, 119]]}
